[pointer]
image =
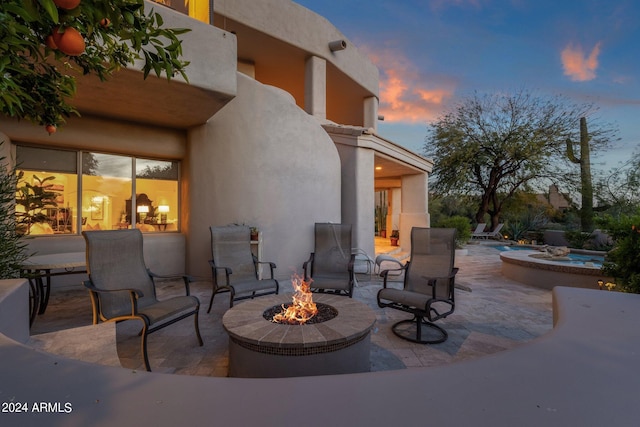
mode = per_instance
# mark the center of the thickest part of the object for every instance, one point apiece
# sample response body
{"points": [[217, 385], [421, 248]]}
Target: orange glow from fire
{"points": [[303, 307]]}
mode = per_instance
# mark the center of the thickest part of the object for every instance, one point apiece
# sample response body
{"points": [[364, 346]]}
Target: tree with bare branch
{"points": [[497, 144]]}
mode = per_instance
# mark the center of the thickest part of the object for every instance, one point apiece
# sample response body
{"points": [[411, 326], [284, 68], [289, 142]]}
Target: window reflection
{"points": [[47, 195], [157, 195], [106, 184]]}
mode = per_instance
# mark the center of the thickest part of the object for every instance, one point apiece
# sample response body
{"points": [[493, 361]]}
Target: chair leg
{"points": [[197, 325], [143, 340], [211, 302], [412, 330]]}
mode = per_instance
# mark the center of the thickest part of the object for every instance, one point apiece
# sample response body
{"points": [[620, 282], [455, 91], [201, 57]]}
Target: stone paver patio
{"points": [[492, 314]]}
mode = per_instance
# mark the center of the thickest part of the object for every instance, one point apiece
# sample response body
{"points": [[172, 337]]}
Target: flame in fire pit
{"points": [[303, 307]]}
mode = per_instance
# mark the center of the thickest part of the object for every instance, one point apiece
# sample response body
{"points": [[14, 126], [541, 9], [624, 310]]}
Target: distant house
{"points": [[558, 201], [277, 129]]}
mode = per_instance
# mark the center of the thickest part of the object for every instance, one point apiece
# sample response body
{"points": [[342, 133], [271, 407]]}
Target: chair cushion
{"points": [[331, 281], [401, 296], [161, 310], [251, 284]]}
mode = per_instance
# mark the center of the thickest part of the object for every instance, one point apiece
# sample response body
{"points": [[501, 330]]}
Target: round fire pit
{"points": [[259, 348]]}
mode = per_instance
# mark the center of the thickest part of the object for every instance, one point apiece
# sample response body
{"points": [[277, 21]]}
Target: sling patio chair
{"points": [[428, 288], [478, 232], [330, 265], [235, 268], [122, 288], [495, 233]]}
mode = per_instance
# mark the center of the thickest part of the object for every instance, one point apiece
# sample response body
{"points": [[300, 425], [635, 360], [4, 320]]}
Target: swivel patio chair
{"points": [[122, 288], [235, 268], [330, 265], [428, 289]]}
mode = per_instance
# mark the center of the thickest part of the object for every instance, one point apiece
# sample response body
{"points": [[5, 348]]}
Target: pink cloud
{"points": [[406, 95], [578, 66]]}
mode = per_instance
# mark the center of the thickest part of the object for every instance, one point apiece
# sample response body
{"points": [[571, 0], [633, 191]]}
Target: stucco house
{"points": [[277, 129]]}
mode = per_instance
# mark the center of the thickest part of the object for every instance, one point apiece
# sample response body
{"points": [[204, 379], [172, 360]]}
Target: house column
{"points": [[371, 113], [358, 194], [315, 87], [414, 206]]}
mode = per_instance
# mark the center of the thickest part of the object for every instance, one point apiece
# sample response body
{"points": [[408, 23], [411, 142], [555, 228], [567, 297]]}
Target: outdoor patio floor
{"points": [[492, 314]]}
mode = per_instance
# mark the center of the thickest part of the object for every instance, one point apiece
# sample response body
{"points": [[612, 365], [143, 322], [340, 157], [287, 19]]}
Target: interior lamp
{"points": [[163, 209], [142, 210]]}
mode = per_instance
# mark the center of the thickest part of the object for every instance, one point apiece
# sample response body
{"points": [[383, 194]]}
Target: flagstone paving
{"points": [[492, 314]]}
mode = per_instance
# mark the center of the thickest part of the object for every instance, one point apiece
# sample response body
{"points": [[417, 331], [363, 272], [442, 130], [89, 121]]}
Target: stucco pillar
{"points": [[414, 206], [315, 87], [371, 113], [358, 195]]}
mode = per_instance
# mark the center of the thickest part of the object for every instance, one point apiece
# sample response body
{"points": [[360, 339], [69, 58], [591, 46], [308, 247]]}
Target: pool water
{"points": [[574, 259]]}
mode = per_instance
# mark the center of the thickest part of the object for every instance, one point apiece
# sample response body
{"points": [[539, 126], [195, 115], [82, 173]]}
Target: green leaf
{"points": [[128, 16], [51, 9]]}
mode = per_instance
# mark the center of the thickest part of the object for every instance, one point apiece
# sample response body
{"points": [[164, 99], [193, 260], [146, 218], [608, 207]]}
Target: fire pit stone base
{"points": [[259, 348]]}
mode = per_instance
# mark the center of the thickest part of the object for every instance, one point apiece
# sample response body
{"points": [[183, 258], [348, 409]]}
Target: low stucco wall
{"points": [[14, 311], [582, 373]]}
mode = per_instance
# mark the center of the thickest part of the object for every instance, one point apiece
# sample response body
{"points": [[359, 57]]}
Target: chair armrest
{"points": [[227, 271], [272, 266], [134, 294], [450, 281], [185, 278], [352, 262], [307, 266], [385, 273]]}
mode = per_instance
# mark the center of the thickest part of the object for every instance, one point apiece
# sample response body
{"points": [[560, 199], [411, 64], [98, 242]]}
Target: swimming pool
{"points": [[521, 264], [584, 259]]}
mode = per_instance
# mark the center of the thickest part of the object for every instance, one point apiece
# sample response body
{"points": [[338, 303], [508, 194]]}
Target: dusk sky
{"points": [[432, 53]]}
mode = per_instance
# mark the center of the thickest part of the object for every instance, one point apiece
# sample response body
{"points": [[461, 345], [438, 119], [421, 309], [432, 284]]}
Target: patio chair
{"points": [[330, 265], [235, 268], [362, 258], [477, 233], [495, 233], [428, 288], [122, 288]]}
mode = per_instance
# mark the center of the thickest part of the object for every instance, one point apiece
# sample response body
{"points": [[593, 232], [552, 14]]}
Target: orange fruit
{"points": [[50, 42], [105, 22], [70, 42], [67, 4], [51, 129]]}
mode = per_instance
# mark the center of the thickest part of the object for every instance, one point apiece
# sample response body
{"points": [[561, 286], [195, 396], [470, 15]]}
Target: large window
{"points": [[62, 192]]}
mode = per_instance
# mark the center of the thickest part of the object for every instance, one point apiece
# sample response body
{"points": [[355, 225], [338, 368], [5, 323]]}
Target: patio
{"points": [[493, 314]]}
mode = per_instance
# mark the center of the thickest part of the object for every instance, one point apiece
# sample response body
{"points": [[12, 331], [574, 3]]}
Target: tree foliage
{"points": [[619, 191], [623, 261], [497, 144], [12, 248], [37, 81]]}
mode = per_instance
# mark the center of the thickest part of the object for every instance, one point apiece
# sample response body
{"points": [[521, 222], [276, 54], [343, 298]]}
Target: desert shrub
{"points": [[623, 261], [462, 226]]}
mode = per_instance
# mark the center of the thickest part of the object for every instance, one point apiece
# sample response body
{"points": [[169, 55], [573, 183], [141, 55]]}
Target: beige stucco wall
{"points": [[302, 28], [264, 162]]}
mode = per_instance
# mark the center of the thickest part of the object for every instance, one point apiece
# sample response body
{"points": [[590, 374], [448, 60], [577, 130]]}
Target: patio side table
{"points": [[39, 267]]}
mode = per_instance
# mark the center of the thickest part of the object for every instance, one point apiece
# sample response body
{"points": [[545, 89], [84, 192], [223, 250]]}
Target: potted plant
{"points": [[395, 235], [254, 233], [34, 199], [381, 220]]}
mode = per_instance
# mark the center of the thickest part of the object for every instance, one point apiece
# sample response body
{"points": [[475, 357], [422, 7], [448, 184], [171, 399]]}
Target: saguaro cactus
{"points": [[586, 186]]}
